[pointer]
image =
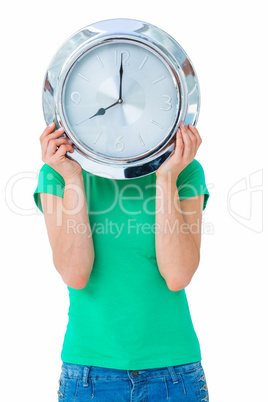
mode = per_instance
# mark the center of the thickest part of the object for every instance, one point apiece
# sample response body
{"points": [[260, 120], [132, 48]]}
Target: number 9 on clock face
{"points": [[120, 99]]}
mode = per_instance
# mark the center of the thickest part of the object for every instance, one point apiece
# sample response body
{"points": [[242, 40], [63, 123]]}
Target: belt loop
{"points": [[85, 375], [173, 374]]}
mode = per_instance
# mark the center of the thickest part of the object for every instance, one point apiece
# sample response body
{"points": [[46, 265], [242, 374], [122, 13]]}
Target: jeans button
{"points": [[205, 388], [135, 374]]}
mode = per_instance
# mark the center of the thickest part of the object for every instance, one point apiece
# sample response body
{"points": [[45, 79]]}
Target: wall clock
{"points": [[120, 89]]}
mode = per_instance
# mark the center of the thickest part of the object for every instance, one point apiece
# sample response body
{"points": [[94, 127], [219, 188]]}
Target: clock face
{"points": [[120, 100]]}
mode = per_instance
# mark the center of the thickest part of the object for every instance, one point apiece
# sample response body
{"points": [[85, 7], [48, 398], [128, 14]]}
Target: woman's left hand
{"points": [[188, 141]]}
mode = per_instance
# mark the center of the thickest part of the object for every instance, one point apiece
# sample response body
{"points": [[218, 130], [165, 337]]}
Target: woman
{"points": [[126, 249]]}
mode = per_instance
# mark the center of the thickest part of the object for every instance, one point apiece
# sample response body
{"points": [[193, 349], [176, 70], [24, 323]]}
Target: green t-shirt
{"points": [[126, 317]]}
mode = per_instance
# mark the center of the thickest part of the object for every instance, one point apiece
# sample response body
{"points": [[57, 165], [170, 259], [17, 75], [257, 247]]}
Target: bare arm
{"points": [[67, 218], [69, 233], [178, 239]]}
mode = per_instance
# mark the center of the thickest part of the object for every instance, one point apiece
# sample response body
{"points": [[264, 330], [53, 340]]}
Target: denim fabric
{"points": [[182, 383]]}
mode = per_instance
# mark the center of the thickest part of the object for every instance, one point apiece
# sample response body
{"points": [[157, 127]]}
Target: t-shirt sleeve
{"points": [[191, 182], [49, 181]]}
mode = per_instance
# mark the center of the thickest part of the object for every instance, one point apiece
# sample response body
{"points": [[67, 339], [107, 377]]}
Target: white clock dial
{"points": [[125, 125]]}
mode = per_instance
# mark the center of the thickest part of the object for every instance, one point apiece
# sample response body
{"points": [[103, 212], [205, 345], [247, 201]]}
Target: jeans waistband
{"points": [[85, 372]]}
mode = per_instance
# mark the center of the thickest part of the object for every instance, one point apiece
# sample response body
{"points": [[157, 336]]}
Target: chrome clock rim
{"points": [[121, 30]]}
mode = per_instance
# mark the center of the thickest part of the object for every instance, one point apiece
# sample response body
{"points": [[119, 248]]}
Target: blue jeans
{"points": [[184, 383]]}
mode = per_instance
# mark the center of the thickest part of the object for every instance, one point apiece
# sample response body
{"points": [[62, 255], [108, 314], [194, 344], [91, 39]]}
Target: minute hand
{"points": [[121, 77]]}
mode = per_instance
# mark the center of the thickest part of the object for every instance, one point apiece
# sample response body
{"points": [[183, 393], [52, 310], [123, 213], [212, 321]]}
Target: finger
{"points": [[48, 137], [48, 130], [61, 152], [179, 145], [188, 145], [196, 133], [53, 146], [193, 139]]}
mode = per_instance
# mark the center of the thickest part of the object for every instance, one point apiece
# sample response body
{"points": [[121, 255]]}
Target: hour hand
{"points": [[100, 112]]}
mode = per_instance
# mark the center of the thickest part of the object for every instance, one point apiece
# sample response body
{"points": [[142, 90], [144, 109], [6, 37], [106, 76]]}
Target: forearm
{"points": [[176, 253], [73, 253]]}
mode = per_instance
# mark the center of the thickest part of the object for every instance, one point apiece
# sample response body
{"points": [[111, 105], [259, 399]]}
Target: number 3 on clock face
{"points": [[120, 99]]}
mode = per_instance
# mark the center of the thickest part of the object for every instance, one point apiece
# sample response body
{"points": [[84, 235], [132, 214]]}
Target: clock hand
{"points": [[121, 76], [100, 112]]}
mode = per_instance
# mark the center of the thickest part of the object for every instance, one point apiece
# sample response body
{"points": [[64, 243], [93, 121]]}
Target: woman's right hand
{"points": [[54, 152]]}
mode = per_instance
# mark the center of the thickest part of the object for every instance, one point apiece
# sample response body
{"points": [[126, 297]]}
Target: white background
{"points": [[227, 43]]}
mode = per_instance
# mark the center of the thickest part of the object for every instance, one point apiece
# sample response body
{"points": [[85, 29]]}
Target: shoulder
{"points": [[194, 168], [48, 174], [192, 182]]}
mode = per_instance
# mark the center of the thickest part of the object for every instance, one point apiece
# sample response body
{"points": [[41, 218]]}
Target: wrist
{"points": [[74, 179], [168, 178]]}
